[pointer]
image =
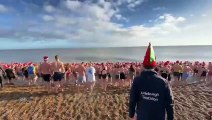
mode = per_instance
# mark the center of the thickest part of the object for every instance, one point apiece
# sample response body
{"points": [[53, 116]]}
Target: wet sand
{"points": [[24, 103]]}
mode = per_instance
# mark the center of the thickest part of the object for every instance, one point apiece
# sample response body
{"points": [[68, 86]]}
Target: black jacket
{"points": [[151, 97]]}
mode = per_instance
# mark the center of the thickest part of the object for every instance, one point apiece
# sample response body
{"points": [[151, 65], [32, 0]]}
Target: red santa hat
{"points": [[150, 59], [166, 63], [45, 57], [30, 63]]}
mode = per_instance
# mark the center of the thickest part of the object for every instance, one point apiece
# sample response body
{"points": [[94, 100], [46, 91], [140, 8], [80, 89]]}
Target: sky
{"points": [[27, 24]]}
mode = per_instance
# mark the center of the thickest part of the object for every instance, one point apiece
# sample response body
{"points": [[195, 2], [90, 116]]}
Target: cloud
{"points": [[92, 24], [103, 11], [133, 3], [3, 8], [158, 8], [64, 21], [170, 19], [73, 5], [170, 24], [49, 8], [48, 18], [204, 15], [87, 22], [120, 17]]}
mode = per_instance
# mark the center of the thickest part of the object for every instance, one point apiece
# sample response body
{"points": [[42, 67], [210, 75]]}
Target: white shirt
{"points": [[91, 74]]}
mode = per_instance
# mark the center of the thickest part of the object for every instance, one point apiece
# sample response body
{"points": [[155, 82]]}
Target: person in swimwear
{"points": [[115, 75], [58, 73], [104, 81], [112, 74], [191, 66], [165, 71], [131, 74], [199, 71], [122, 75], [74, 74], [204, 72], [187, 72], [32, 74], [68, 73], [176, 70], [18, 71], [138, 69], [209, 72], [99, 72], [195, 69], [157, 68], [81, 78], [109, 74], [10, 74], [46, 72], [25, 72], [181, 71]]}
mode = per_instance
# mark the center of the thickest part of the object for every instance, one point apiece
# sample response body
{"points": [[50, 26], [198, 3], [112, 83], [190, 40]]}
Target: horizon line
{"points": [[102, 47]]}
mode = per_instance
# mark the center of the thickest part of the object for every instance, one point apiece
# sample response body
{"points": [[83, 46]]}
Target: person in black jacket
{"points": [[10, 75], [150, 96]]}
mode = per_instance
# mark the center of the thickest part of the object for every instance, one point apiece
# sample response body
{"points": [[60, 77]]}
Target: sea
{"points": [[112, 54]]}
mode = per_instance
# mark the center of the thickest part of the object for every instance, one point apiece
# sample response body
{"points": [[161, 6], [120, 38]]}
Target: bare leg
{"points": [[48, 86], [105, 86], [92, 87], [29, 81], [119, 82], [111, 80], [130, 82], [204, 79], [61, 84], [8, 81], [56, 86], [124, 82], [35, 80]]}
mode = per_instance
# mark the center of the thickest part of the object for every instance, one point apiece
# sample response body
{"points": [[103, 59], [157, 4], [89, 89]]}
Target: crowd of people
{"points": [[149, 80], [120, 74]]}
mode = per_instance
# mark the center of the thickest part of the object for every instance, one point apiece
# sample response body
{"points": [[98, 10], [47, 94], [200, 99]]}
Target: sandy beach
{"points": [[24, 103]]}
